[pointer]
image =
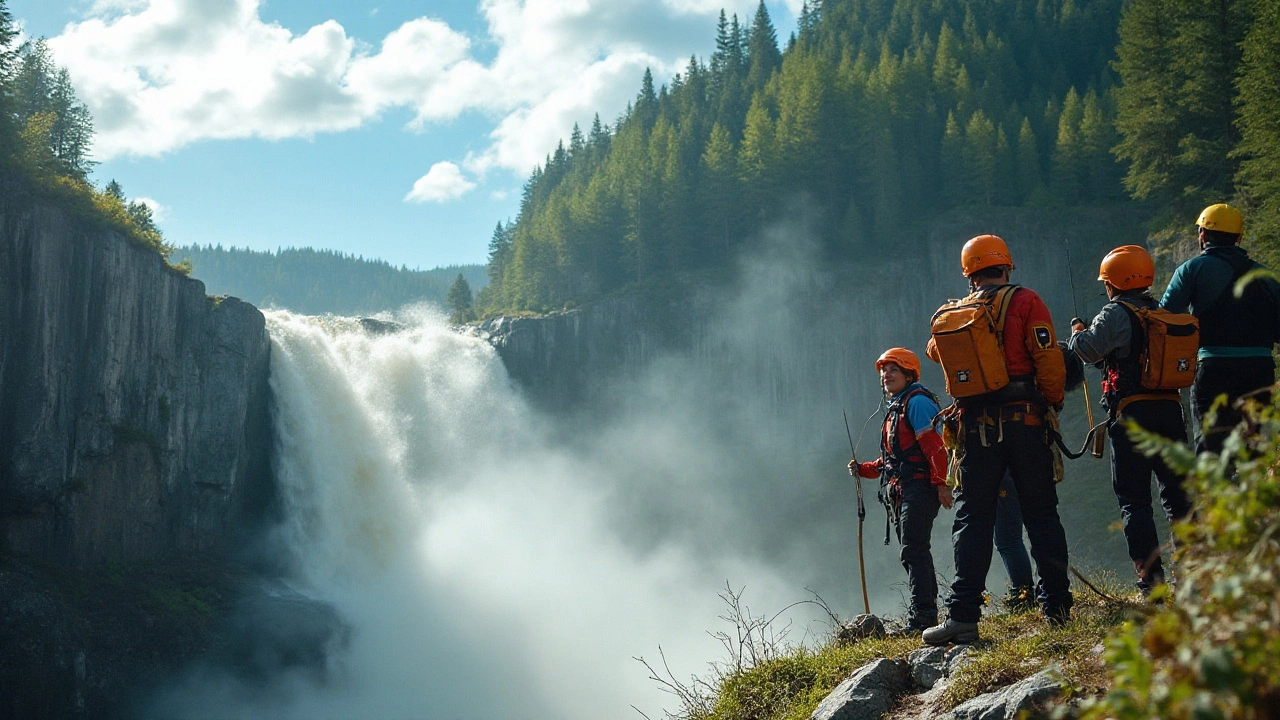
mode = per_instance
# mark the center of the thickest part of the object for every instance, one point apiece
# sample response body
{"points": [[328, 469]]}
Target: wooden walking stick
{"points": [[1084, 383], [862, 509]]}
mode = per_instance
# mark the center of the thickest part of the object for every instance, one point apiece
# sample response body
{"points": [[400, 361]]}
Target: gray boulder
{"points": [[957, 657], [862, 627], [928, 666], [1006, 703], [867, 694]]}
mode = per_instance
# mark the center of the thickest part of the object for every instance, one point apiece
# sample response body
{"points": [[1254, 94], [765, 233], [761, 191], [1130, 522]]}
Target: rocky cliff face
{"points": [[134, 461], [133, 409]]}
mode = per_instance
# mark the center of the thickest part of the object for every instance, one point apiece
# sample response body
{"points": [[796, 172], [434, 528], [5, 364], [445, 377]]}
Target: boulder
{"points": [[957, 657], [867, 694], [1006, 703], [862, 627], [928, 666]]}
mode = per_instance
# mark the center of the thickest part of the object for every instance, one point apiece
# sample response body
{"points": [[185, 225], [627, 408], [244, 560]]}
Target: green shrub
{"points": [[1210, 651]]}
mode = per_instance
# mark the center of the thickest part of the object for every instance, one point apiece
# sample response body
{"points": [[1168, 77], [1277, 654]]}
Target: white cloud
{"points": [[161, 74], [158, 211], [442, 182]]}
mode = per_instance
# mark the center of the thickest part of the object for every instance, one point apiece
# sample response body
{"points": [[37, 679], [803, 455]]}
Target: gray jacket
{"points": [[1111, 331]]}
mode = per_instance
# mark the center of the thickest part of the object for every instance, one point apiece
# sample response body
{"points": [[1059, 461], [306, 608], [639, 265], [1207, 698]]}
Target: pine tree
{"points": [[1177, 62], [1259, 148], [951, 163], [1068, 165], [8, 64], [500, 251], [762, 49], [1100, 172], [718, 191], [980, 159], [1027, 163]]}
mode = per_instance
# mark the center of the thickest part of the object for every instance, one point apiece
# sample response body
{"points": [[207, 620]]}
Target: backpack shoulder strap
{"points": [[1002, 301], [1004, 296]]}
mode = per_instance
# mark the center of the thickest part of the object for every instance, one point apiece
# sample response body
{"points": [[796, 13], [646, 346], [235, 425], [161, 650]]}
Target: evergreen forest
{"points": [[315, 282], [884, 114], [46, 137]]}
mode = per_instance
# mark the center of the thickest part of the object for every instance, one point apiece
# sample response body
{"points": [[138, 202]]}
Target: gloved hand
{"points": [[866, 469]]}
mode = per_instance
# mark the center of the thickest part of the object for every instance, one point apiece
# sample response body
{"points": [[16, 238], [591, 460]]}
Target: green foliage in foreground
{"points": [[1212, 651]]}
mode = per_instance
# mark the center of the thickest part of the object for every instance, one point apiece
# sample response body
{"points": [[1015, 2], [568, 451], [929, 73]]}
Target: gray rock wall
{"points": [[133, 409]]}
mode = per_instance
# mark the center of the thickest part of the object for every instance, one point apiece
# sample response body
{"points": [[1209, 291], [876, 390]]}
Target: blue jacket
{"points": [[1229, 326]]}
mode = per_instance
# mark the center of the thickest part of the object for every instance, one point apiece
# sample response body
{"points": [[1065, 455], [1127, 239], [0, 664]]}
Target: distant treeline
{"points": [[316, 282], [886, 113]]}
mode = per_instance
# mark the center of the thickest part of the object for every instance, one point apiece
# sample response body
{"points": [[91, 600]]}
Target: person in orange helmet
{"points": [[1007, 428], [1115, 341], [914, 461]]}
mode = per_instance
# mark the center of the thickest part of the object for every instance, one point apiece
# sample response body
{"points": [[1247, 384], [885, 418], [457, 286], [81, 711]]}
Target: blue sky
{"points": [[394, 129]]}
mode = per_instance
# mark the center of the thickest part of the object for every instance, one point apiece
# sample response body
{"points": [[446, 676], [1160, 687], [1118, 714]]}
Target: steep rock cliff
{"points": [[133, 409]]}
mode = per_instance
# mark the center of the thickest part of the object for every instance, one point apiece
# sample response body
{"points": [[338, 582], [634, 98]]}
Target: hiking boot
{"points": [[1020, 599], [916, 625], [951, 631], [1057, 617], [1150, 580]]}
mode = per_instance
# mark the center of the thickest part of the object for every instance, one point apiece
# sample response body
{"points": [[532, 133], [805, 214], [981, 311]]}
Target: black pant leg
{"points": [[919, 509], [1166, 419], [974, 526], [1131, 482], [1232, 377], [1031, 464]]}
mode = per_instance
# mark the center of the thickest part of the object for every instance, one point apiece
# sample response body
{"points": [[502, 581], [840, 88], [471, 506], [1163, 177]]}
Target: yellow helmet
{"points": [[1221, 217]]}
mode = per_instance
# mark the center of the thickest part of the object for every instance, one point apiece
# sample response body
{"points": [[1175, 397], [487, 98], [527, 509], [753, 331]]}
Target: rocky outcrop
{"points": [[867, 694], [1011, 702], [133, 409], [563, 358]]}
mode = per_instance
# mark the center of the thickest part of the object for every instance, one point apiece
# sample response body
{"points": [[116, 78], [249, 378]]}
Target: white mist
{"points": [[473, 557]]}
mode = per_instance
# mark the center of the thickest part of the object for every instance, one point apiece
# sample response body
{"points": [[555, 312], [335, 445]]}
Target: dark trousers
{"points": [[1232, 377], [1017, 564], [1131, 479], [919, 509], [1025, 454]]}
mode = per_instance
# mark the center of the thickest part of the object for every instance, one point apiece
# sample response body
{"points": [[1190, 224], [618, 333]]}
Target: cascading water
{"points": [[472, 555]]}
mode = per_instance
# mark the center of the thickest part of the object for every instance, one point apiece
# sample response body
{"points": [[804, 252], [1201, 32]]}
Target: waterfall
{"points": [[470, 544]]}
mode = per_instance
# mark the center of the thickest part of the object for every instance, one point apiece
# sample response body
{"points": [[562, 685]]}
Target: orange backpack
{"points": [[1173, 340], [969, 337]]}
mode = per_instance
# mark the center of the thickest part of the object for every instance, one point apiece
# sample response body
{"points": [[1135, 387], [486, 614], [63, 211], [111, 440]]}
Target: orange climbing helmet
{"points": [[982, 252], [1128, 267], [901, 357]]}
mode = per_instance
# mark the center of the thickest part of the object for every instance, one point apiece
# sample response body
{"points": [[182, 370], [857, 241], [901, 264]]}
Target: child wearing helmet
{"points": [[914, 461], [1115, 342]]}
